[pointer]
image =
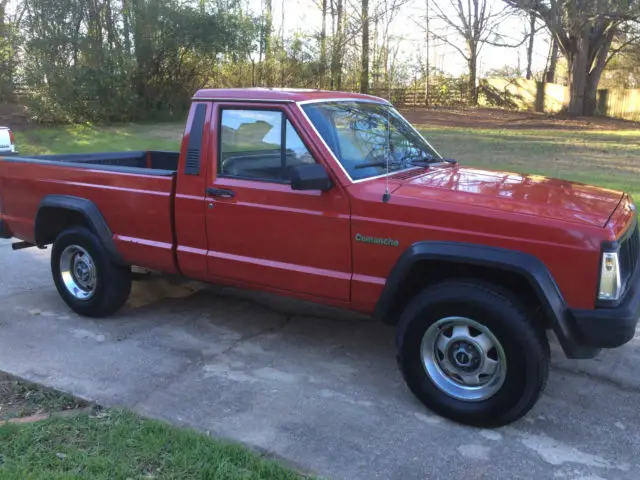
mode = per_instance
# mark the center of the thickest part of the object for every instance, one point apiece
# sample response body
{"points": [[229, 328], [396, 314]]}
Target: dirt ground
{"points": [[490, 118], [19, 399]]}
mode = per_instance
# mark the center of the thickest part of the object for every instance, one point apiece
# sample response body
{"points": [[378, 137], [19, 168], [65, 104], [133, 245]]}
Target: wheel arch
{"points": [[425, 263], [58, 212]]}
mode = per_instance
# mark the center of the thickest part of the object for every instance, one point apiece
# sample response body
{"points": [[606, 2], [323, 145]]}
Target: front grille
{"points": [[629, 252]]}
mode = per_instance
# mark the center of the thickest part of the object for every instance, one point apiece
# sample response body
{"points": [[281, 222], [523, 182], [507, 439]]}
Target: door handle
{"points": [[220, 192]]}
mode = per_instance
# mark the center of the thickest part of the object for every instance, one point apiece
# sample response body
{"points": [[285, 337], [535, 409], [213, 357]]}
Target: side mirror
{"points": [[311, 176]]}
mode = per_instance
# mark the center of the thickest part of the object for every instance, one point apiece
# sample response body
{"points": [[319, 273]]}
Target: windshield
{"points": [[362, 140]]}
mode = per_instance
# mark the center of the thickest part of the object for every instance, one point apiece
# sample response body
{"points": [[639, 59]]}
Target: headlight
{"points": [[610, 285]]}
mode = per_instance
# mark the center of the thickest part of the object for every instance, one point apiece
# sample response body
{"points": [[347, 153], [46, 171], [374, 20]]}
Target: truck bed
{"points": [[153, 162], [132, 191]]}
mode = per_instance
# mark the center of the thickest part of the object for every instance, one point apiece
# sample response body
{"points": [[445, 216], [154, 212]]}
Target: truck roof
{"points": [[279, 94]]}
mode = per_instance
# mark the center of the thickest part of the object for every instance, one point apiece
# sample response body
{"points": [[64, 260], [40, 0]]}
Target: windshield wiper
{"points": [[378, 164], [420, 163], [453, 161], [416, 163], [432, 161]]}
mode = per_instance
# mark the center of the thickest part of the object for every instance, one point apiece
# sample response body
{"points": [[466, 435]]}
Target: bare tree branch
{"points": [[452, 44], [512, 45], [614, 51]]}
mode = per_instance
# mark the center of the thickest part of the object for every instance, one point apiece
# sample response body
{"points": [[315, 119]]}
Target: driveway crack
{"points": [[200, 359], [251, 336]]}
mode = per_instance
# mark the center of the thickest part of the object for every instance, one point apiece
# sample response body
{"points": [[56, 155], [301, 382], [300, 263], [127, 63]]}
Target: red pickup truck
{"points": [[336, 198]]}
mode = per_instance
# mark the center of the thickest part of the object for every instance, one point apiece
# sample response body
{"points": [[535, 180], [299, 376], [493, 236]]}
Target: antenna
{"points": [[387, 196]]}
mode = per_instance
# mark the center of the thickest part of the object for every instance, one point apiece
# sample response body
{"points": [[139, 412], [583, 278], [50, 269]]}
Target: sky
{"points": [[305, 16]]}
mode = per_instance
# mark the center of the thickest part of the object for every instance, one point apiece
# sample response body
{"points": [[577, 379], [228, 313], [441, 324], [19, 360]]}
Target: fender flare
{"points": [[531, 268], [88, 210]]}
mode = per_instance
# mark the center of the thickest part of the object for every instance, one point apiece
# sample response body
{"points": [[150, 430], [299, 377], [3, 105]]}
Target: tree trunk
{"points": [[112, 33], [532, 29], [143, 19], [3, 26], [283, 50], [323, 46], [126, 27], [578, 75], [427, 69], [364, 73], [553, 62], [599, 62], [333, 43], [268, 26], [94, 33], [336, 60], [473, 72], [6, 63], [375, 54]]}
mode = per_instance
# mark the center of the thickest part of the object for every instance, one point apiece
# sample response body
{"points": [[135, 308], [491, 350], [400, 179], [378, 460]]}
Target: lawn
{"points": [[610, 158], [117, 444], [80, 441], [88, 138]]}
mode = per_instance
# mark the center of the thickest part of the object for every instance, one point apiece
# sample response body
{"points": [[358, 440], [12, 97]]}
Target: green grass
{"points": [[110, 444], [607, 158], [120, 445], [88, 138]]}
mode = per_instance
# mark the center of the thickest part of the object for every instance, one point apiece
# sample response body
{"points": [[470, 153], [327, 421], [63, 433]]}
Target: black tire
{"points": [[112, 284], [523, 342]]}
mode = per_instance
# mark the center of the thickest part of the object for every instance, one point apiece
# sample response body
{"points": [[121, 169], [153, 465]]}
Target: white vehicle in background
{"points": [[7, 141]]}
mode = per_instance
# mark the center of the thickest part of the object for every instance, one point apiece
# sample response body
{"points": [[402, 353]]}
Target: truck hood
{"points": [[516, 193]]}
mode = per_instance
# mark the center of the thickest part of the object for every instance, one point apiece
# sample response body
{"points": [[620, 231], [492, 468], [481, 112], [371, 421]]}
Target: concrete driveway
{"points": [[313, 386]]}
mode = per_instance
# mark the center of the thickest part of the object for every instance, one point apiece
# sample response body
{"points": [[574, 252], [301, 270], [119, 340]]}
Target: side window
{"points": [[254, 146], [297, 153]]}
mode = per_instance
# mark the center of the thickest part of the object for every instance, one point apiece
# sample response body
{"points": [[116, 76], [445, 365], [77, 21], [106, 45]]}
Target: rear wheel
{"points": [[86, 278], [471, 354]]}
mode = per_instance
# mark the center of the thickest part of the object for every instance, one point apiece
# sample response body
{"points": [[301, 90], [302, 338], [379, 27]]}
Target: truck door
{"points": [[261, 232]]}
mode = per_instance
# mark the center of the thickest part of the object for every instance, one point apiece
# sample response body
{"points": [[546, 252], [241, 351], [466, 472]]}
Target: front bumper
{"points": [[610, 327]]}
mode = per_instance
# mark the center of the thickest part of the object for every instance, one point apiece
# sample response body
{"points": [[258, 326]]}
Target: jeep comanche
{"points": [[335, 198]]}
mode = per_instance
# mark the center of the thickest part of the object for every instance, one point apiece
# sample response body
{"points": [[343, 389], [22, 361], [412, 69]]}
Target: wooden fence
{"points": [[439, 94], [519, 93], [550, 97]]}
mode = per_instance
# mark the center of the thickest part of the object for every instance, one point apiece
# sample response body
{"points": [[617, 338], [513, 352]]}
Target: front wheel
{"points": [[471, 354], [86, 278]]}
